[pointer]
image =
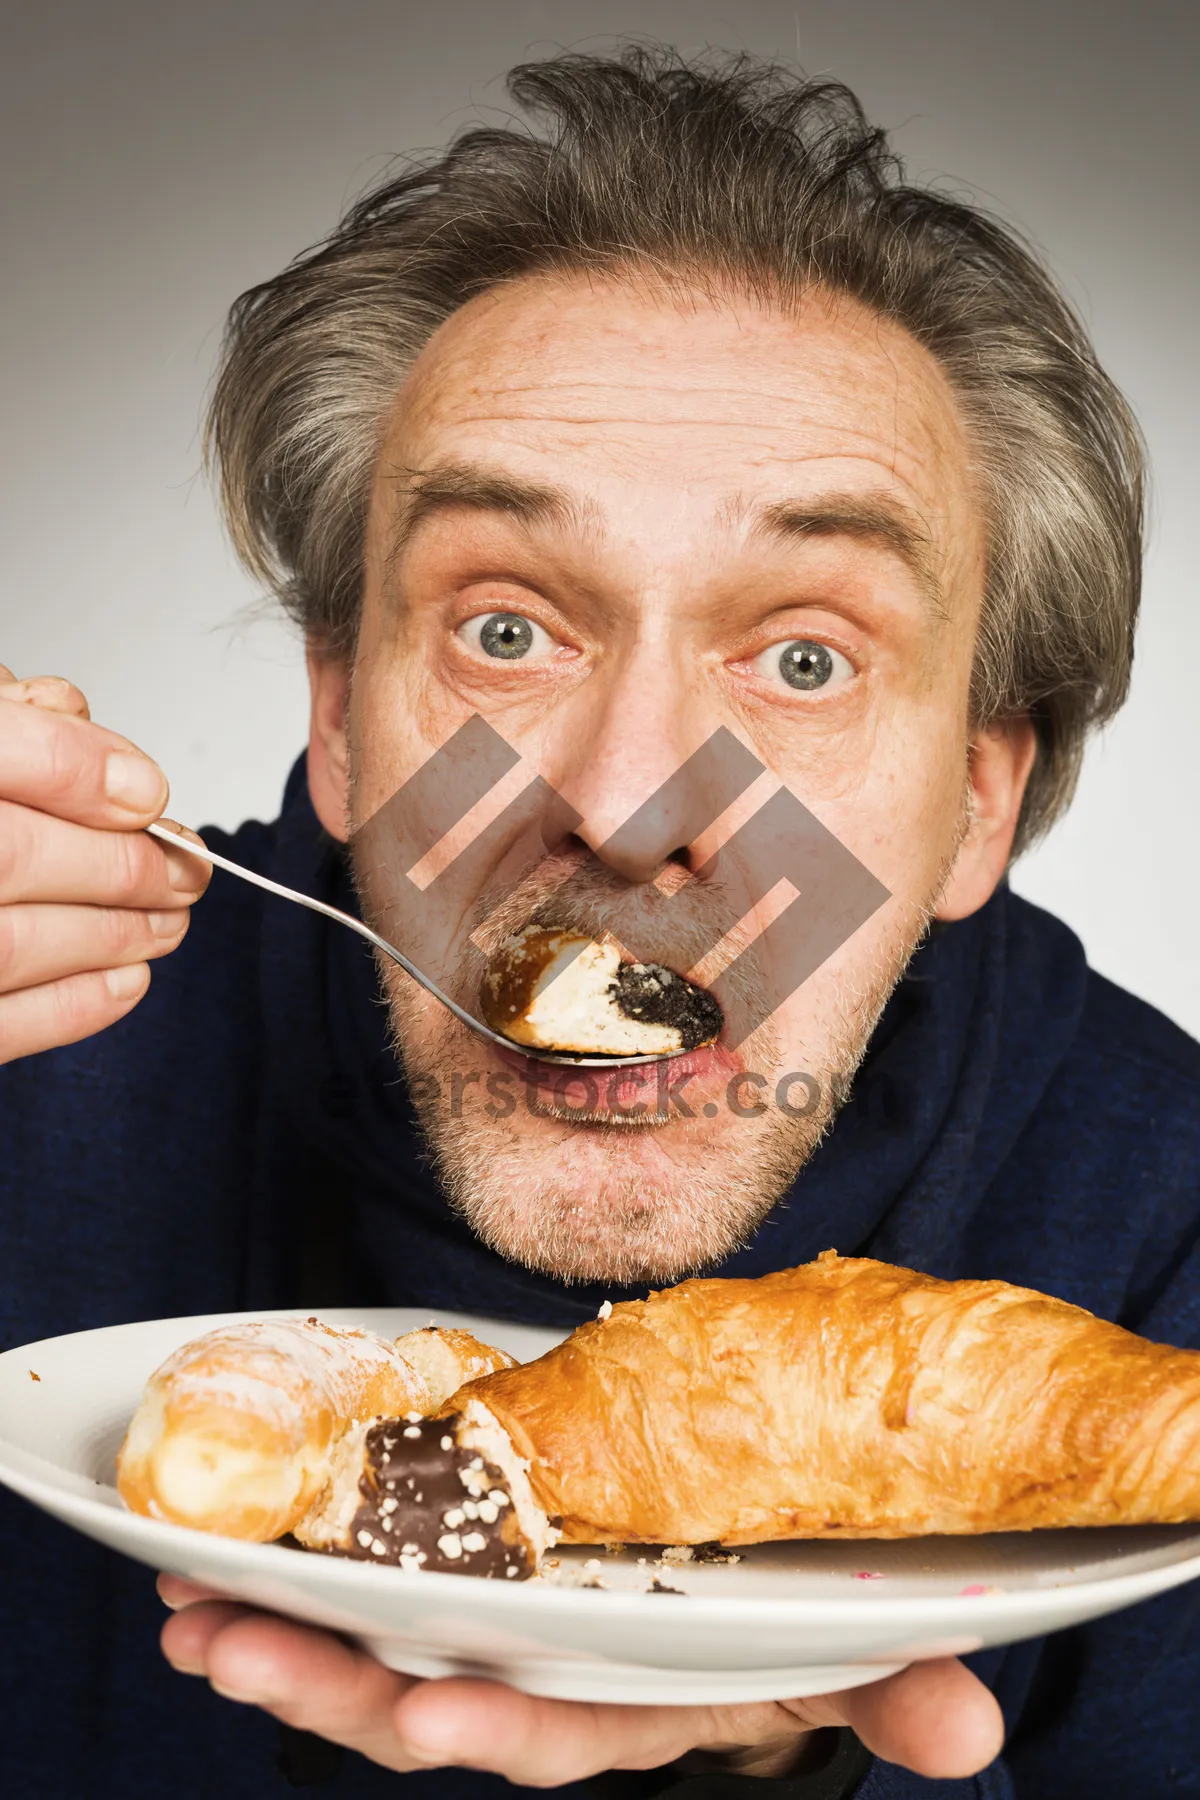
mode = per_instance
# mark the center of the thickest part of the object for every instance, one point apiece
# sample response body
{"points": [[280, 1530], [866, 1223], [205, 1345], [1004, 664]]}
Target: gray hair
{"points": [[731, 173]]}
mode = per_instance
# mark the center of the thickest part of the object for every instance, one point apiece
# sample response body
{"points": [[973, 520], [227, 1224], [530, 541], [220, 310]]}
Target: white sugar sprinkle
{"points": [[364, 1538], [454, 1518], [447, 1443], [450, 1545], [488, 1511], [411, 1431], [605, 1311], [474, 1540], [498, 1497]]}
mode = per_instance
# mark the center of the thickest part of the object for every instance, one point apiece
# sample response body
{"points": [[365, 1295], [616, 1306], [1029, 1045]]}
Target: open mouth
{"points": [[560, 990]]}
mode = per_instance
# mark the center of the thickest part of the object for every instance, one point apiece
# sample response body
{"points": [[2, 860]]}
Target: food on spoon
{"points": [[236, 1431], [561, 990]]}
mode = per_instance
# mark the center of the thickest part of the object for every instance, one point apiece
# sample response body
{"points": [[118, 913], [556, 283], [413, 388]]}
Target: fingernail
{"points": [[134, 782], [167, 924], [123, 984], [182, 875]]}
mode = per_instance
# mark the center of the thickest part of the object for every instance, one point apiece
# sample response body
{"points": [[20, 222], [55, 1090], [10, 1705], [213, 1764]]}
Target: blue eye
{"points": [[803, 665], [506, 637]]}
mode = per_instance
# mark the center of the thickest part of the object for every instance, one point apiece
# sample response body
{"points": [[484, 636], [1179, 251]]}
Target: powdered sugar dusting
{"points": [[278, 1369]]}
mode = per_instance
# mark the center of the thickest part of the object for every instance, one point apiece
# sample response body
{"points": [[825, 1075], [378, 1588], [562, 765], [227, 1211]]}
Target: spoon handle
{"points": [[195, 848]]}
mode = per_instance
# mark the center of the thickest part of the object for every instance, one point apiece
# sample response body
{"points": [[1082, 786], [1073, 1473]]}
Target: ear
{"points": [[328, 759], [1000, 760]]}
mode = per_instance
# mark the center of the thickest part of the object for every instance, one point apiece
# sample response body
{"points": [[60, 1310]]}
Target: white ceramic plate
{"points": [[787, 1619]]}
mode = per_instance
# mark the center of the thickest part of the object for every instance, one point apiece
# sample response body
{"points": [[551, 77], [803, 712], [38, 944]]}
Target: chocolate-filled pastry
{"points": [[848, 1398], [426, 1494], [560, 990]]}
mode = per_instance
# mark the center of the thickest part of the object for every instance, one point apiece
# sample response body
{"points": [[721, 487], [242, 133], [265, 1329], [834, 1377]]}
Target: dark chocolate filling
{"points": [[427, 1499], [713, 1552], [657, 996]]}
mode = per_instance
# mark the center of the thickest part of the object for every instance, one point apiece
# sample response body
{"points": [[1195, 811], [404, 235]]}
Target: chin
{"points": [[597, 1192], [597, 1212]]}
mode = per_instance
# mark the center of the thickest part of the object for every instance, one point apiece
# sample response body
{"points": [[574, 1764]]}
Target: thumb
{"points": [[934, 1718]]}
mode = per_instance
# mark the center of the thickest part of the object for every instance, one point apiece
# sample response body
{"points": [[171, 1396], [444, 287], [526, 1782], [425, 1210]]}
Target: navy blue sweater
{"points": [[243, 1140]]}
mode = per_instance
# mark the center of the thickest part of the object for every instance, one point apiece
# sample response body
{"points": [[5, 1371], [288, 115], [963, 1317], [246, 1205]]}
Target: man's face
{"points": [[667, 493]]}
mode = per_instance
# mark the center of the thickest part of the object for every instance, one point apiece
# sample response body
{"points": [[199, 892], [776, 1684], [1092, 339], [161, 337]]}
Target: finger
{"points": [[41, 944], [76, 770], [307, 1678], [51, 692], [177, 1592], [62, 1012], [542, 1743], [188, 1635], [935, 1718], [187, 871], [53, 861]]}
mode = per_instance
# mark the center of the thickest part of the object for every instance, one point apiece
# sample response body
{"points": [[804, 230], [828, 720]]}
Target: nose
{"points": [[649, 769]]}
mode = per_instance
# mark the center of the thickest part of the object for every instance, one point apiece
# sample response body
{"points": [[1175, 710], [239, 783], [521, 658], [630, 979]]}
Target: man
{"points": [[682, 429]]}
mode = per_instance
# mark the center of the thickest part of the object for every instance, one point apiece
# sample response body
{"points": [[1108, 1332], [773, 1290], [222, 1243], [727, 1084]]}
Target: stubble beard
{"points": [[589, 1197]]}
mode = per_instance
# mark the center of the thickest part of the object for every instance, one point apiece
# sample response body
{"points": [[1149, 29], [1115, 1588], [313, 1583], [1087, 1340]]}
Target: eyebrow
{"points": [[449, 485], [876, 519], [871, 518]]}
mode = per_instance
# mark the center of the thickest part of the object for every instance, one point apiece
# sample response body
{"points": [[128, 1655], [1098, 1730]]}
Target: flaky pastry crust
{"points": [[848, 1398]]}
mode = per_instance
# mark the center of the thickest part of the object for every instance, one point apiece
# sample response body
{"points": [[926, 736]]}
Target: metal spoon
{"points": [[167, 836]]}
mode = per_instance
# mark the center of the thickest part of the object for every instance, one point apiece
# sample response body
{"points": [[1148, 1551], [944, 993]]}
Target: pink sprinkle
{"points": [[868, 1575], [976, 1587]]}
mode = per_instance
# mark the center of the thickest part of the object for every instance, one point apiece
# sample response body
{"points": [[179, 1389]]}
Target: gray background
{"points": [[155, 159]]}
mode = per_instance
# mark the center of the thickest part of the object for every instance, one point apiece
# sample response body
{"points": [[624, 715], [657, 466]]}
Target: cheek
{"points": [[393, 728], [904, 818]]}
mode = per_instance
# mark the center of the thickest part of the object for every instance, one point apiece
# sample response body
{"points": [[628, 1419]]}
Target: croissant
{"points": [[237, 1431], [844, 1398]]}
